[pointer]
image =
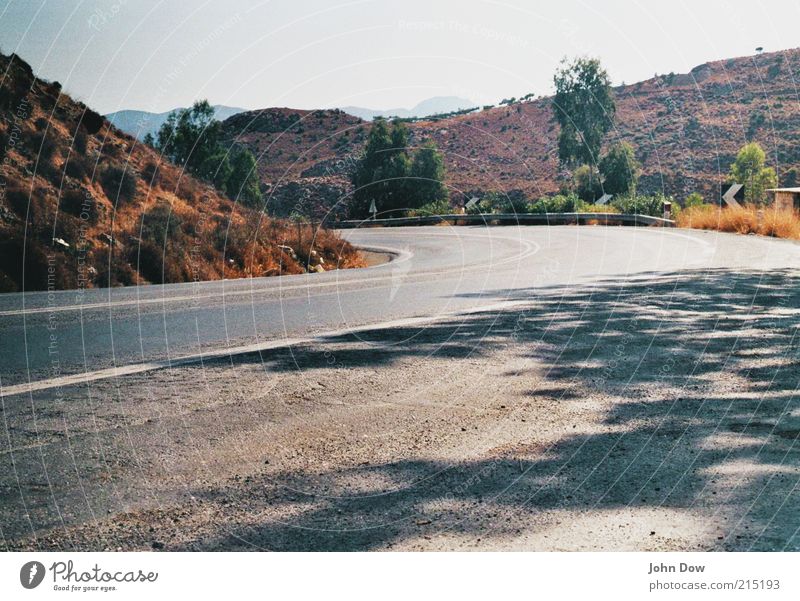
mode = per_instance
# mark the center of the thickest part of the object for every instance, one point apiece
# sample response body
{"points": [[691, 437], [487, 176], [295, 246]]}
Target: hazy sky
{"points": [[156, 55]]}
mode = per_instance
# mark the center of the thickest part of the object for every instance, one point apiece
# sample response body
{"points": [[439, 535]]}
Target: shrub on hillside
{"points": [[695, 199], [112, 269], [560, 203], [640, 204], [119, 184], [437, 207]]}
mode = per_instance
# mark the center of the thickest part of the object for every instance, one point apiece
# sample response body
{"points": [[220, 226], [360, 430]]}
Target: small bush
{"points": [[79, 203], [119, 184], [638, 204], [151, 174], [80, 142], [695, 199], [437, 207]]}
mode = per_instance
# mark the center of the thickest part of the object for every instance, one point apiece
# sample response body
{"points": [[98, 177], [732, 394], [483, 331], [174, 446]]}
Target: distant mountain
{"points": [[140, 123], [426, 108]]}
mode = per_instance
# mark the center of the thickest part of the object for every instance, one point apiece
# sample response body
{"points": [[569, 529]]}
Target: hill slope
{"points": [[686, 130], [83, 204]]}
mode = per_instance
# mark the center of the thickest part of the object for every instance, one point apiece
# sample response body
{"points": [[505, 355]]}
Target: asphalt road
{"points": [[605, 384], [438, 270]]}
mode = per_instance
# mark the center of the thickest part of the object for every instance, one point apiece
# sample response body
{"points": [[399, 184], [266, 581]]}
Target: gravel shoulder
{"points": [[650, 414]]}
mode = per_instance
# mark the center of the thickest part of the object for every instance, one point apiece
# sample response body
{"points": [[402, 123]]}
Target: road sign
{"points": [[604, 199], [733, 195], [373, 209]]}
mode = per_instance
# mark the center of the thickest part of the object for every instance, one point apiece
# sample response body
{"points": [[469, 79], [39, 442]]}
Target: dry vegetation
{"points": [[87, 205], [749, 219]]}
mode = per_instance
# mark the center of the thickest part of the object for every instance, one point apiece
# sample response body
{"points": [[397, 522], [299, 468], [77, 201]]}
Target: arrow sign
{"points": [[472, 202], [729, 196], [373, 209], [604, 199]]}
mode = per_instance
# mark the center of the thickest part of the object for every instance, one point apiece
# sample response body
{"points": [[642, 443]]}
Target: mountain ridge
{"points": [[139, 123], [425, 108]]}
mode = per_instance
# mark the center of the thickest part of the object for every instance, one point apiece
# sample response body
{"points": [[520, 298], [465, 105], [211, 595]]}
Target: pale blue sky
{"points": [[159, 54]]}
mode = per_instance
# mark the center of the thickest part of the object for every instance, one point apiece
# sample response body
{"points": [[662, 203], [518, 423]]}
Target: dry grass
{"points": [[744, 220], [594, 208]]}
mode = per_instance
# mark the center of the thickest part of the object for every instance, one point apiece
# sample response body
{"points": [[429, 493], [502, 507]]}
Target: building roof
{"points": [[793, 190]]}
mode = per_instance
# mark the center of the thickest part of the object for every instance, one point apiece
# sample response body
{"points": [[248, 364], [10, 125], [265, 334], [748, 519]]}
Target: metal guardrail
{"points": [[511, 219]]}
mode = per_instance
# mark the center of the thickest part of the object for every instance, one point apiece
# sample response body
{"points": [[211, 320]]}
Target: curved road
{"points": [[438, 270]]}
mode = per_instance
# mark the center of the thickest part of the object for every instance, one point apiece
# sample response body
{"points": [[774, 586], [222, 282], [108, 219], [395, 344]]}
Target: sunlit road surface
{"points": [[507, 387]]}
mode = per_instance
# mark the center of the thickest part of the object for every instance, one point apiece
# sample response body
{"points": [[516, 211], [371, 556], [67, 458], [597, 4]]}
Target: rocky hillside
{"points": [[82, 205], [686, 129]]}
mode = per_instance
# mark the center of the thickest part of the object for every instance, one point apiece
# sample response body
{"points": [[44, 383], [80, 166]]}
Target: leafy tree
{"points": [[748, 169], [584, 109], [586, 182], [217, 169], [619, 169], [426, 185], [189, 137], [389, 175], [369, 174], [242, 183]]}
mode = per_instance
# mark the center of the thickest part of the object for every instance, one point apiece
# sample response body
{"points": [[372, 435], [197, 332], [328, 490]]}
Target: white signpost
{"points": [[728, 197]]}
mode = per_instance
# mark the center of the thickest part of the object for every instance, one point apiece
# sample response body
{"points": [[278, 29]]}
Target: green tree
{"points": [[749, 169], [242, 183], [619, 169], [426, 184], [584, 109], [381, 172], [586, 183], [189, 137], [217, 169], [394, 178]]}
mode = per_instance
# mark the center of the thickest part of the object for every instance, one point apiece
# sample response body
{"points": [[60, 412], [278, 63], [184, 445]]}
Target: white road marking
{"points": [[137, 368]]}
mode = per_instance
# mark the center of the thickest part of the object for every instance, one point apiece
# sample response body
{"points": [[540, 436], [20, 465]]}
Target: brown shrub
{"points": [[743, 220]]}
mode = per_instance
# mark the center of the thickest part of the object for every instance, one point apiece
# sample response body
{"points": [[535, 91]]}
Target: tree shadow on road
{"points": [[702, 370]]}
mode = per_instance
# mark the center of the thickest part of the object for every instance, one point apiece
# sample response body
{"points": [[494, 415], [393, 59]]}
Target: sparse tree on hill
{"points": [[619, 169], [389, 175], [242, 183], [749, 169], [426, 185], [586, 183], [584, 109], [192, 138], [189, 137]]}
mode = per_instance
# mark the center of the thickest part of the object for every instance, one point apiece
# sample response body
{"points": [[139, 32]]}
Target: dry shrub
{"points": [[780, 224], [742, 220]]}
